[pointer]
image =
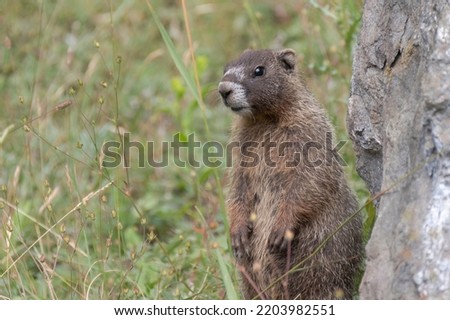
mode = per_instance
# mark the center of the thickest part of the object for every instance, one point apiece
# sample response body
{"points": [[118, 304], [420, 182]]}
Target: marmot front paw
{"points": [[279, 239], [240, 241]]}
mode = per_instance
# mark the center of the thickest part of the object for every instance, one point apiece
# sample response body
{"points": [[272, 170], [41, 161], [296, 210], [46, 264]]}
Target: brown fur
{"points": [[265, 201]]}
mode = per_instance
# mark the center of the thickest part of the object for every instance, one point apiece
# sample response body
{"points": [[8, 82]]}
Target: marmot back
{"points": [[288, 193]]}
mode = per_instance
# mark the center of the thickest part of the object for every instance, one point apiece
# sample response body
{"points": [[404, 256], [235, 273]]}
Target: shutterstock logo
{"points": [[190, 152]]}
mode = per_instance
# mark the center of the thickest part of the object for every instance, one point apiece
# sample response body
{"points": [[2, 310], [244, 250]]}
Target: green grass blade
{"points": [[226, 277], [175, 56]]}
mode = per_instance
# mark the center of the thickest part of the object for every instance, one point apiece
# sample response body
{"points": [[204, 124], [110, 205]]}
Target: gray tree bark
{"points": [[399, 121]]}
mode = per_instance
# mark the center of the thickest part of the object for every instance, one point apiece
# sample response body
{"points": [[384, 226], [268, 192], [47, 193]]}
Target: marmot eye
{"points": [[259, 71]]}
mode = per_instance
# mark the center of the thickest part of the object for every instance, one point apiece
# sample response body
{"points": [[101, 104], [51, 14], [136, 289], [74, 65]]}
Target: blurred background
{"points": [[76, 74]]}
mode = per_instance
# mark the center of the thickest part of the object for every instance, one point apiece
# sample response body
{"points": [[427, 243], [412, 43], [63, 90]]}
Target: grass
{"points": [[75, 75]]}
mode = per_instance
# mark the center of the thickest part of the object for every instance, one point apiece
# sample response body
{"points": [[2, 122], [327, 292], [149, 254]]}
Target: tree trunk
{"points": [[399, 121]]}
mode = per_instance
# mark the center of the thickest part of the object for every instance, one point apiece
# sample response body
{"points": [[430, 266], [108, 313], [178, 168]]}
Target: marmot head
{"points": [[260, 82]]}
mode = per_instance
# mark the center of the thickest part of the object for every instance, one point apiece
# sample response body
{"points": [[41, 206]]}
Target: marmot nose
{"points": [[224, 90]]}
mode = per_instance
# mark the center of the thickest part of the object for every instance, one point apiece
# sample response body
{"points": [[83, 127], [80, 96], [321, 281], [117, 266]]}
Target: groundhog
{"points": [[289, 205]]}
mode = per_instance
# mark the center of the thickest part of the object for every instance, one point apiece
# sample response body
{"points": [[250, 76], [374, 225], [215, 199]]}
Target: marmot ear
{"points": [[288, 58]]}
